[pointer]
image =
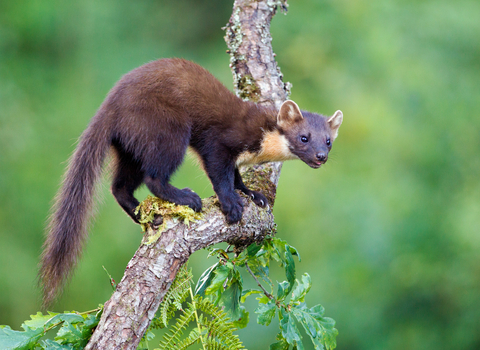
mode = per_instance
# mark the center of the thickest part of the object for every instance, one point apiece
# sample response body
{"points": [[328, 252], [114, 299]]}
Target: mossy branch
{"points": [[153, 268]]}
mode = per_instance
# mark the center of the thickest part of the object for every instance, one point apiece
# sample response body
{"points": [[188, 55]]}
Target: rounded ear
{"points": [[289, 114], [334, 122]]}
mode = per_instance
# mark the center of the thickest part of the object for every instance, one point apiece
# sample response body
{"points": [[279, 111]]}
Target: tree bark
{"points": [[149, 274]]}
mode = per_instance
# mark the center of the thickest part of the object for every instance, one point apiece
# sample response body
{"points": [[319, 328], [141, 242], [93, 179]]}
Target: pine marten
{"points": [[149, 119]]}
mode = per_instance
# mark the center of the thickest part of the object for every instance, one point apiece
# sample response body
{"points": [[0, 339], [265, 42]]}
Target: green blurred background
{"points": [[388, 229]]}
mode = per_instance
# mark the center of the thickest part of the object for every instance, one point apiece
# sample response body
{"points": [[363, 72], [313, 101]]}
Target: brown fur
{"points": [[149, 118]]}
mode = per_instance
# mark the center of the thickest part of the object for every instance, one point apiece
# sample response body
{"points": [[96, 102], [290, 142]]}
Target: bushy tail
{"points": [[67, 229]]}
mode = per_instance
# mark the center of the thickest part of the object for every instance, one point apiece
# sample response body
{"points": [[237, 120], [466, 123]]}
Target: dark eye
{"points": [[328, 142], [304, 139]]}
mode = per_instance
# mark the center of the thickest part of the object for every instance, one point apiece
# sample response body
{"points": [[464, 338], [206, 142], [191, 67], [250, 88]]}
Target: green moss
{"points": [[247, 89], [258, 179], [152, 207]]}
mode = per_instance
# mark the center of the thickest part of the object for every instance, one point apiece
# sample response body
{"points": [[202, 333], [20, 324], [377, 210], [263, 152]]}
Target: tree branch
{"points": [[149, 274]]}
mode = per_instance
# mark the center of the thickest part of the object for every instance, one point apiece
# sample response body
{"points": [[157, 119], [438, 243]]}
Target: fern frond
{"points": [[175, 333], [214, 329], [191, 339], [219, 328], [212, 344], [176, 295]]}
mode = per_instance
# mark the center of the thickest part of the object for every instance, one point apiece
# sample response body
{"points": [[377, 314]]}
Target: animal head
{"points": [[310, 136]]}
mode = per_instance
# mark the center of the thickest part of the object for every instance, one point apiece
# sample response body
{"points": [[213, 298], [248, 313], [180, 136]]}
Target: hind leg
{"points": [[128, 177], [159, 164]]}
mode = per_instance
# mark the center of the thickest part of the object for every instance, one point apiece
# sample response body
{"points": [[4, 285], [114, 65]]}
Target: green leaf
{"points": [[247, 292], [253, 249], [317, 311], [320, 329], [92, 320], [310, 324], [260, 271], [278, 250], [88, 326], [19, 340], [205, 280], [219, 280], [283, 253], [263, 299], [298, 345], [281, 344], [266, 312], [282, 290], [301, 289], [39, 320], [329, 333], [248, 255], [242, 322], [73, 334], [289, 329], [68, 334], [295, 252], [53, 345], [230, 299], [66, 317], [216, 251], [289, 266]]}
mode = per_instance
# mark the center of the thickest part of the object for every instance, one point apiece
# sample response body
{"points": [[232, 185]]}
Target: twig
{"points": [[259, 284]]}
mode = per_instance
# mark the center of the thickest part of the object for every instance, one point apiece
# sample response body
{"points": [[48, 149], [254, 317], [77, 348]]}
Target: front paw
{"points": [[232, 207], [192, 199], [258, 198]]}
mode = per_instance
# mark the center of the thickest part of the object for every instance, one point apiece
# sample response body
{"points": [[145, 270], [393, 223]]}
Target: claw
{"points": [[157, 221]]}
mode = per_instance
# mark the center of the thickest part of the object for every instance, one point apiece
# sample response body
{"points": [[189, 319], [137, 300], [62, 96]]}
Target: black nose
{"points": [[321, 156]]}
